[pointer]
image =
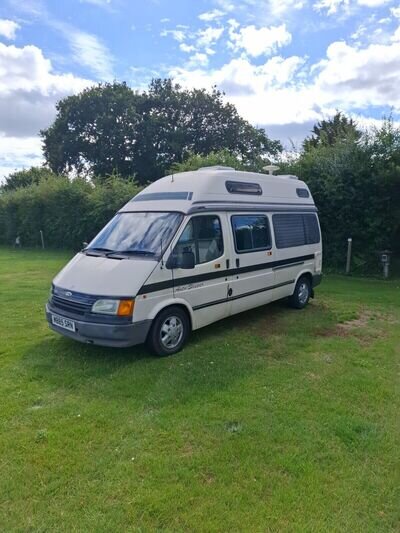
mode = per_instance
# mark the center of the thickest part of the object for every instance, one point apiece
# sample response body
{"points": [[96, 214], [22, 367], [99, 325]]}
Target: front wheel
{"points": [[301, 294], [169, 331]]}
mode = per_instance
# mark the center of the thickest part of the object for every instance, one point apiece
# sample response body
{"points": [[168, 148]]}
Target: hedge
{"points": [[68, 212]]}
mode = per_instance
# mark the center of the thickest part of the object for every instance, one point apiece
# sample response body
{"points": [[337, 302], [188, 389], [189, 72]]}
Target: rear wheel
{"points": [[301, 294], [169, 331]]}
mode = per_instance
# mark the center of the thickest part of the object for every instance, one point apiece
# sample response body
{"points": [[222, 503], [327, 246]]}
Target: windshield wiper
{"points": [[131, 252], [101, 251], [98, 249]]}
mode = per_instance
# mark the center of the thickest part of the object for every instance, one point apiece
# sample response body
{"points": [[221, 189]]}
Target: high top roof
{"points": [[221, 187]]}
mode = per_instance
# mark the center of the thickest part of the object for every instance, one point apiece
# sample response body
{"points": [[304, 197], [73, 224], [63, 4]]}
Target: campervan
{"points": [[190, 249]]}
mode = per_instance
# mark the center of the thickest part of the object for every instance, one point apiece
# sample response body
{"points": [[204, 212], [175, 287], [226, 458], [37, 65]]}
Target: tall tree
{"points": [[328, 132], [94, 132], [111, 128]]}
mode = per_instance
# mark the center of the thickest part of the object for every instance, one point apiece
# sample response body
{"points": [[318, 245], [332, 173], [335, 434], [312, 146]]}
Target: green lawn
{"points": [[273, 420]]}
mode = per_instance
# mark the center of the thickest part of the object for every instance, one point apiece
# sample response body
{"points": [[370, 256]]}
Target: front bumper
{"points": [[115, 335]]}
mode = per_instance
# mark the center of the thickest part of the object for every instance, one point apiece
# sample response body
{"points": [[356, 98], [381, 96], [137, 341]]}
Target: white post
{"points": [[42, 238], [348, 262]]}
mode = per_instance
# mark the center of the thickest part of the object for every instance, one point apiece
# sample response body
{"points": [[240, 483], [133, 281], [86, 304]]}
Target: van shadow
{"points": [[57, 362]]}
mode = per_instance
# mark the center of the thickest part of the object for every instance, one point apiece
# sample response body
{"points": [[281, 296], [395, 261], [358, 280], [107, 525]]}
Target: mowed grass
{"points": [[273, 420]]}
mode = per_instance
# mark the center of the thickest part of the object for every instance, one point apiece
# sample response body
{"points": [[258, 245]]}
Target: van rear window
{"points": [[238, 187], [295, 230]]}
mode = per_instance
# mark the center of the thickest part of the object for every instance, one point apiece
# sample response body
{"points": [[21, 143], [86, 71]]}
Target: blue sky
{"points": [[284, 63]]}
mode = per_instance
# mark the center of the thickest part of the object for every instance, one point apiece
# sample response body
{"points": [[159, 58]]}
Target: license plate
{"points": [[62, 322]]}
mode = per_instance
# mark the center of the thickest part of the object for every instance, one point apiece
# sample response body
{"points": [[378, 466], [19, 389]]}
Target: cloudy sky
{"points": [[283, 63]]}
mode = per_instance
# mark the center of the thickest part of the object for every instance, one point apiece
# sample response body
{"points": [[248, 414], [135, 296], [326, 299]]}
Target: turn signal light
{"points": [[125, 307]]}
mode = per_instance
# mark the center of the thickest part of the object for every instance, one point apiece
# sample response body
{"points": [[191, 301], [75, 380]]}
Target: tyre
{"points": [[301, 294], [169, 331]]}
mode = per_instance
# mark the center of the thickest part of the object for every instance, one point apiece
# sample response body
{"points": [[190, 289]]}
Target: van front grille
{"points": [[71, 306]]}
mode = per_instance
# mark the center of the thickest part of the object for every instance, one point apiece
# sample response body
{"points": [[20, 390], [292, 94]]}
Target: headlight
{"points": [[114, 307]]}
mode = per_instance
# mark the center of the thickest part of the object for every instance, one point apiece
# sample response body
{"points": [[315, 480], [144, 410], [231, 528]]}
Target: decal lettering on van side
{"points": [[189, 287]]}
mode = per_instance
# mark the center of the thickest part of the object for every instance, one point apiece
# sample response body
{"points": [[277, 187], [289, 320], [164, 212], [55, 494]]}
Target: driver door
{"points": [[204, 287]]}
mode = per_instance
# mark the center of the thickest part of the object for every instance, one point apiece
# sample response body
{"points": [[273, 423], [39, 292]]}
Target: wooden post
{"points": [[348, 262]]}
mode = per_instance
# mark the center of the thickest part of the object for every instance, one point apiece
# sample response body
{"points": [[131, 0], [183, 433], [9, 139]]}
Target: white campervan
{"points": [[190, 249]]}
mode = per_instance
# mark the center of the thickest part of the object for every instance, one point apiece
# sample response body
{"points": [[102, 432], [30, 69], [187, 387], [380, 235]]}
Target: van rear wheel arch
{"points": [[302, 291]]}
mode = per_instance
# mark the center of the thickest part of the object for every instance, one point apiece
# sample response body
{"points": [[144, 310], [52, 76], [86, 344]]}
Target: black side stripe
{"points": [[161, 285], [251, 293], [287, 266]]}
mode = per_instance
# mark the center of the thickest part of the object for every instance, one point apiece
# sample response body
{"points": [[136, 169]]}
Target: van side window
{"points": [[312, 229], [202, 236], [251, 233], [295, 230]]}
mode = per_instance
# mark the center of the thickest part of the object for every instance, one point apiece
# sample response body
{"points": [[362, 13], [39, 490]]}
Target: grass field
{"points": [[273, 420]]}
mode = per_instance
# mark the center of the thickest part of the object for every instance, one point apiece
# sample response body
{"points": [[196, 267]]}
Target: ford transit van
{"points": [[190, 249]]}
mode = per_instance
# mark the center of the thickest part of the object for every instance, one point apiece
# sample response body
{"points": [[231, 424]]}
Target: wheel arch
{"points": [[306, 273], [175, 302]]}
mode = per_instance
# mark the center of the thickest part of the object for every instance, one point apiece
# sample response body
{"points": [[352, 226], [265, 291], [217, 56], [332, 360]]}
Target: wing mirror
{"points": [[186, 261]]}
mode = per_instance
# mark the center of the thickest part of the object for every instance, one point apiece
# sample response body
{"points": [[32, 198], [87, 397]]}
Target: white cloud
{"points": [[331, 6], [199, 41], [8, 28], [188, 48], [198, 60], [29, 90], [89, 50], [209, 16], [258, 41], [372, 3], [208, 36], [395, 11], [17, 153], [288, 95], [360, 77], [178, 35], [347, 7], [99, 3], [278, 8]]}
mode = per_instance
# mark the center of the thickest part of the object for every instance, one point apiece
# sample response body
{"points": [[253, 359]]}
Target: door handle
{"points": [[227, 264], [237, 262], [230, 291]]}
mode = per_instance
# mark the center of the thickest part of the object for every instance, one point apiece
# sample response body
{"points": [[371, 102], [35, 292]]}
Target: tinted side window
{"points": [[312, 230], [251, 233], [295, 230], [203, 237], [289, 230]]}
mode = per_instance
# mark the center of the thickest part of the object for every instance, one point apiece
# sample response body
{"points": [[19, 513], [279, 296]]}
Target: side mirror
{"points": [[187, 261]]}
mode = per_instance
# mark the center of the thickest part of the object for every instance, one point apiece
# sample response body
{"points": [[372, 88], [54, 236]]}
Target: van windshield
{"points": [[129, 234]]}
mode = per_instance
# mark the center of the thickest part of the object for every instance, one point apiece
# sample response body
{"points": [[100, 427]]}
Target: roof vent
{"points": [[216, 167]]}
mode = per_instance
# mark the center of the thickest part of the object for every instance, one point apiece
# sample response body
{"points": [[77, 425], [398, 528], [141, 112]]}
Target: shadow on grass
{"points": [[214, 358]]}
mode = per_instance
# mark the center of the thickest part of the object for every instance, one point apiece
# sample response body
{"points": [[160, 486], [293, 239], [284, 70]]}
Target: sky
{"points": [[285, 64]]}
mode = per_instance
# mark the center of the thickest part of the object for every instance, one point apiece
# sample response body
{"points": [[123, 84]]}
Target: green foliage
{"points": [[26, 177], [356, 187], [68, 211], [111, 128], [223, 158], [328, 132]]}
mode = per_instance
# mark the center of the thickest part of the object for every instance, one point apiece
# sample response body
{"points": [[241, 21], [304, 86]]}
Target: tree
{"points": [[222, 157], [94, 132], [111, 128], [328, 132], [25, 178], [356, 186]]}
